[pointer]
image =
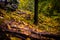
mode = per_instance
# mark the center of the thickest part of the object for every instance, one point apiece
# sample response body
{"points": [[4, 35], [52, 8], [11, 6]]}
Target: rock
{"points": [[9, 5]]}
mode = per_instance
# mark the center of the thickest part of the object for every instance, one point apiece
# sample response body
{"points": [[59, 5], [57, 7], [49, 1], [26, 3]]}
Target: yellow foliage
{"points": [[14, 38], [23, 4], [48, 23], [28, 39]]}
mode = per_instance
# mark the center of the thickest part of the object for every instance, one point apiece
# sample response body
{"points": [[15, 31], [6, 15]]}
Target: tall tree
{"points": [[36, 13]]}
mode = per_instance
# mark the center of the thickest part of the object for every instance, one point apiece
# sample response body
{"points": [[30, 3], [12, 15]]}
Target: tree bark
{"points": [[36, 13]]}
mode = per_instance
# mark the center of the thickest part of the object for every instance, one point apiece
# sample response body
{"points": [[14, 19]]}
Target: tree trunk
{"points": [[36, 13]]}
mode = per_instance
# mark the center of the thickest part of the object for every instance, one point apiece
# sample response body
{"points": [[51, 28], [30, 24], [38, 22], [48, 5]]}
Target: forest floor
{"points": [[20, 19]]}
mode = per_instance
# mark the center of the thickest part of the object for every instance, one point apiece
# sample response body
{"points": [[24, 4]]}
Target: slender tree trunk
{"points": [[36, 13]]}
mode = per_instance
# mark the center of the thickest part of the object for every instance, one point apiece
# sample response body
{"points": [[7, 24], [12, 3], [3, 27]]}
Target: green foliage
{"points": [[26, 5], [48, 7], [49, 14]]}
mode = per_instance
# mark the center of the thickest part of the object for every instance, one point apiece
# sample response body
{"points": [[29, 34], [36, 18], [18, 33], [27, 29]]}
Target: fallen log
{"points": [[19, 35], [16, 31], [48, 35], [24, 36]]}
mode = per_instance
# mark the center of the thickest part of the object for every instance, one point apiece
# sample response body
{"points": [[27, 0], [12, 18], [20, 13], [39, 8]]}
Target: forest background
{"points": [[48, 13]]}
